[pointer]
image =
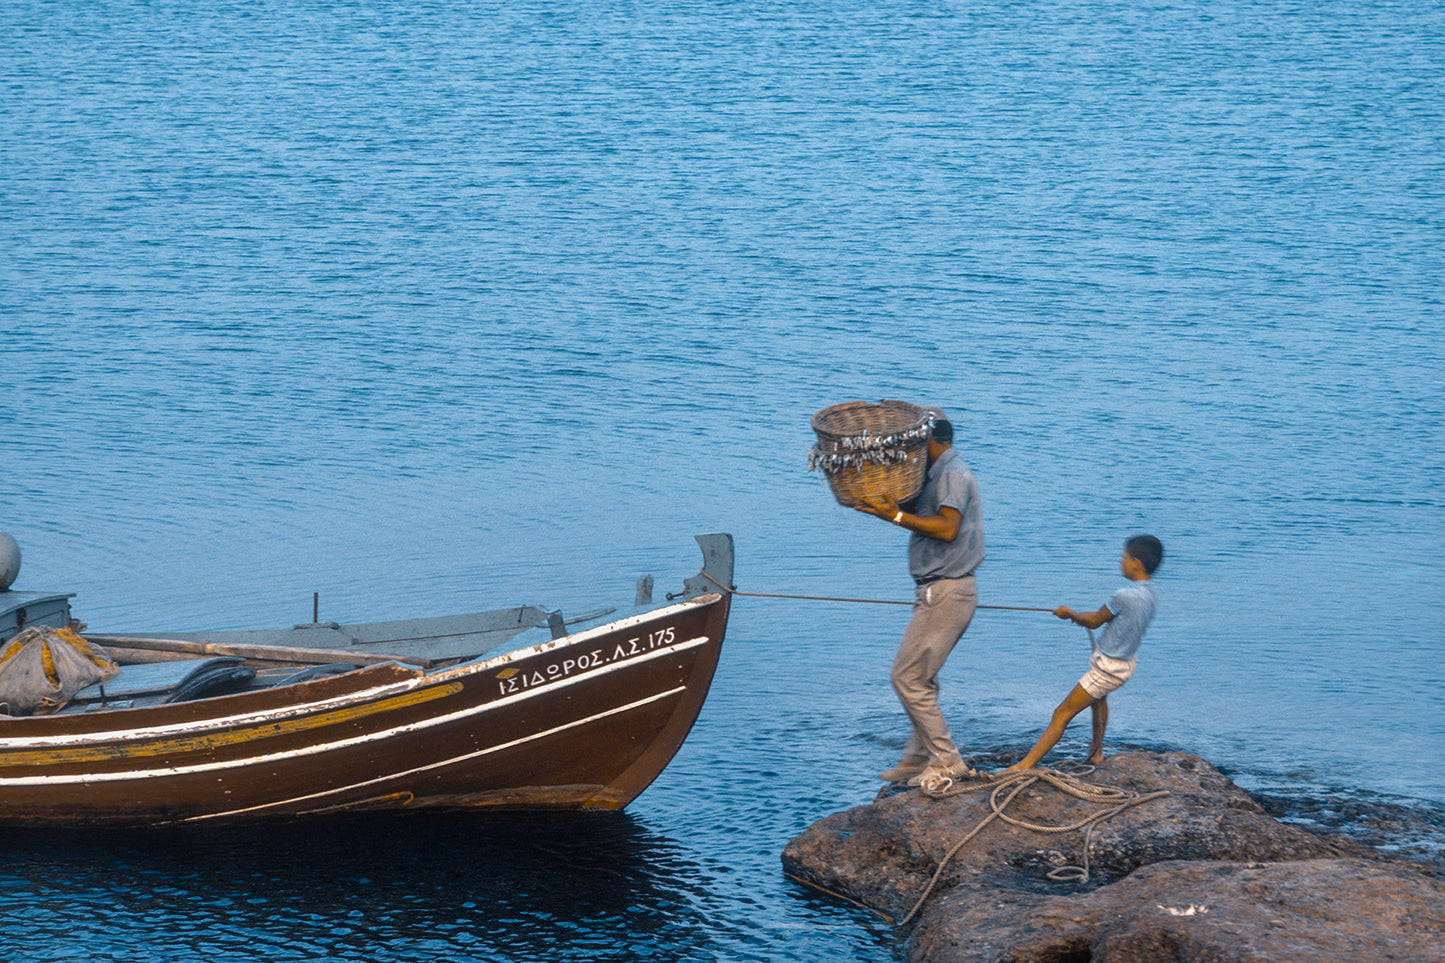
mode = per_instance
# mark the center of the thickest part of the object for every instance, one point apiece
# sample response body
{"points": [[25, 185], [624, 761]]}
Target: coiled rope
{"points": [[1006, 788]]}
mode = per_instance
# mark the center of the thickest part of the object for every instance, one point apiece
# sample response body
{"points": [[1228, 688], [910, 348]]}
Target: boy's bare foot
{"points": [[1016, 767], [1096, 758]]}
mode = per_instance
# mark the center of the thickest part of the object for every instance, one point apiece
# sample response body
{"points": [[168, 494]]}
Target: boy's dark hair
{"points": [[943, 431], [1147, 549]]}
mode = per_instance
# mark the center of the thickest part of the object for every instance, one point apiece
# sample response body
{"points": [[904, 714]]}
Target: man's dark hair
{"points": [[943, 431], [1147, 549]]}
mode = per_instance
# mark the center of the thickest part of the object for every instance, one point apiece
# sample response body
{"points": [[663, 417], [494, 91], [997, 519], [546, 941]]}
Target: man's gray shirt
{"points": [[949, 484]]}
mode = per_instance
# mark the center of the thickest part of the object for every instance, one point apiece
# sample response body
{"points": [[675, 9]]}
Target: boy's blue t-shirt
{"points": [[1133, 607]]}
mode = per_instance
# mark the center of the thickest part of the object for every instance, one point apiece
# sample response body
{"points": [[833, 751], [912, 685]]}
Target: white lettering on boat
{"points": [[511, 680]]}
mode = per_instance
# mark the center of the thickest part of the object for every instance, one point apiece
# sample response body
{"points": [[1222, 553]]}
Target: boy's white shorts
{"points": [[1106, 674]]}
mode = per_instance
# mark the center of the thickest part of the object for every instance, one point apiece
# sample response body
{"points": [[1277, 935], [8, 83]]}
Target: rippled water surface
{"points": [[434, 307]]}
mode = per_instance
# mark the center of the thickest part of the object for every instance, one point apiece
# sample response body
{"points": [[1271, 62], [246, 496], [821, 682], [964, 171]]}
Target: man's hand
{"points": [[882, 506]]}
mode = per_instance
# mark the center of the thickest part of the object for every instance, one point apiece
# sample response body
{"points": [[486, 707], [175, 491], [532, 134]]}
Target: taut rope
{"points": [[830, 598]]}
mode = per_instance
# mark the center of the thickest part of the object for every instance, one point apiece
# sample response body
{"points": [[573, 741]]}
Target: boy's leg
{"points": [[1101, 722], [1074, 703]]}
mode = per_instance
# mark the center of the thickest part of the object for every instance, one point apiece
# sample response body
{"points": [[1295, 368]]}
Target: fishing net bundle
{"points": [[42, 668]]}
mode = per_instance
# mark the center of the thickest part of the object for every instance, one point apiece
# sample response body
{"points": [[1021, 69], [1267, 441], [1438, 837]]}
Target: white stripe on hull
{"points": [[440, 765], [270, 716]]}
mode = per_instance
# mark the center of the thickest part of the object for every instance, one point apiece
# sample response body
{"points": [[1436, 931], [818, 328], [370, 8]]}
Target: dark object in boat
{"points": [[582, 719]]}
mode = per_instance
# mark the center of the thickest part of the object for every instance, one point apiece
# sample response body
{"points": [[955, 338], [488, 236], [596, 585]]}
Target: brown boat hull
{"points": [[586, 721]]}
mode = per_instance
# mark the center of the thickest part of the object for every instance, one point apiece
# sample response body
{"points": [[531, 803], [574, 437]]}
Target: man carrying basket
{"points": [[944, 548]]}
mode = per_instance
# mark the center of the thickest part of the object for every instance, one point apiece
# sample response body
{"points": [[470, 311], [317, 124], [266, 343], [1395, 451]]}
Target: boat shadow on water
{"points": [[520, 882]]}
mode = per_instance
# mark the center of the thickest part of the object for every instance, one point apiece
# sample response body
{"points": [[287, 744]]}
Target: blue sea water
{"points": [[430, 307]]}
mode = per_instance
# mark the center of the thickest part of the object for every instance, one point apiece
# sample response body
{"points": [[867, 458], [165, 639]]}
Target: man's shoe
{"points": [[902, 771], [935, 775]]}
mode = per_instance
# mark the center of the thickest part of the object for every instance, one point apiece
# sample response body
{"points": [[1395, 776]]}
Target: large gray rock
{"points": [[994, 899], [1320, 911]]}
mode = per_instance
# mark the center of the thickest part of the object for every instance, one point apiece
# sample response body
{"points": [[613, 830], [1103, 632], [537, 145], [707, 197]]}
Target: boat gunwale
{"points": [[416, 679], [313, 749]]}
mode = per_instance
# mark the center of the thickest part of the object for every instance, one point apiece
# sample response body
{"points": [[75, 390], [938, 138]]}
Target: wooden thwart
{"points": [[265, 653]]}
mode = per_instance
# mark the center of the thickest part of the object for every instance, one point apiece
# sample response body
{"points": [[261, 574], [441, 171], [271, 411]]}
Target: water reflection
{"points": [[510, 886]]}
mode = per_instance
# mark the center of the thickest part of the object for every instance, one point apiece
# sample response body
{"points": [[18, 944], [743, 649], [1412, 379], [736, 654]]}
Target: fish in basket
{"points": [[867, 450]]}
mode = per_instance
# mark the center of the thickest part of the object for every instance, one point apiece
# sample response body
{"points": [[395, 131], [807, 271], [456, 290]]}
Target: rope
{"points": [[829, 598], [1013, 783]]}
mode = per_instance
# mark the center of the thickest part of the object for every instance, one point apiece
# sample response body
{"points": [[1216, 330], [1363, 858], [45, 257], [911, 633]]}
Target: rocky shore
{"points": [[1149, 857]]}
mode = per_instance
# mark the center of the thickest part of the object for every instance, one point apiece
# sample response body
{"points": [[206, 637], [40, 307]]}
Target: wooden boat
{"points": [[325, 719]]}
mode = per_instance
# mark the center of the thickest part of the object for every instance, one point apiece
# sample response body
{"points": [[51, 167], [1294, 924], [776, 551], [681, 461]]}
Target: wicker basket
{"points": [[872, 450]]}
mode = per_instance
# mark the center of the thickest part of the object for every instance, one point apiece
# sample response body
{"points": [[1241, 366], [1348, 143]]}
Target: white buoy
{"points": [[9, 561]]}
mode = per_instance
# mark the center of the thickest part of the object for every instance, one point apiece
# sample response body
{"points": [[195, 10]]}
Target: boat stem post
{"points": [[717, 567]]}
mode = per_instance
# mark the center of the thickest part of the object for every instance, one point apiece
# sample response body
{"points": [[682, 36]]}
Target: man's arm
{"points": [[944, 526]]}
